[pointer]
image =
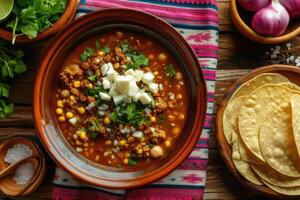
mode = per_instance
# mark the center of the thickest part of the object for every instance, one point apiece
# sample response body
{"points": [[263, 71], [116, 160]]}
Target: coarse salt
{"points": [[16, 153], [24, 173]]}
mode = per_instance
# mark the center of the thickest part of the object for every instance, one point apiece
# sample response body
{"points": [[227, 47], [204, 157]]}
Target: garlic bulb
{"points": [[292, 6], [272, 20], [254, 5]]}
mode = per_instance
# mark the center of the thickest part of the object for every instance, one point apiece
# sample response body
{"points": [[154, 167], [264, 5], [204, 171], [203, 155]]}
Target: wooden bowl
{"points": [[8, 185], [242, 20], [293, 74], [66, 18], [44, 106]]}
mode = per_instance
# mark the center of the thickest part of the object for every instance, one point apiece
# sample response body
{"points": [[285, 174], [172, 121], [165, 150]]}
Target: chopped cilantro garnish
{"points": [[93, 135], [132, 161], [93, 78], [171, 71], [124, 46], [138, 61], [161, 118], [132, 113], [97, 43], [106, 49], [89, 52]]}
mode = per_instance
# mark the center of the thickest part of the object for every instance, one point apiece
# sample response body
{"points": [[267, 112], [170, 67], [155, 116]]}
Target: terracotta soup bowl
{"points": [[94, 24]]}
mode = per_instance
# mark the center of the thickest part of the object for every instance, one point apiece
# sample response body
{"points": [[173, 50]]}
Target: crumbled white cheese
{"points": [[104, 96], [147, 77], [106, 83], [118, 99], [133, 89], [122, 84], [145, 98], [138, 75], [111, 74], [130, 72], [138, 134], [73, 120], [153, 87], [104, 69]]}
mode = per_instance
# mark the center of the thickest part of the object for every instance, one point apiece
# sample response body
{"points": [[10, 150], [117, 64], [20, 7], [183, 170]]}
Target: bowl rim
{"points": [[163, 170], [251, 34], [225, 148], [65, 18]]}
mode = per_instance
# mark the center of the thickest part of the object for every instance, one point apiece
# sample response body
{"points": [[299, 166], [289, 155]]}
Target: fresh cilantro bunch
{"points": [[11, 64], [29, 17]]}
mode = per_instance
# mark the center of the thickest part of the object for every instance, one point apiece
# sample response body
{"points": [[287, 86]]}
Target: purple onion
{"points": [[292, 6], [272, 20], [254, 5]]}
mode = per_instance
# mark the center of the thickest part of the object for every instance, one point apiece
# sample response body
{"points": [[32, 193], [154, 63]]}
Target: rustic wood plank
{"points": [[22, 117]]}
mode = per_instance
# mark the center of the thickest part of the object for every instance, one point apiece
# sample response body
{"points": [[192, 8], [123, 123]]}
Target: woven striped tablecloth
{"points": [[197, 21]]}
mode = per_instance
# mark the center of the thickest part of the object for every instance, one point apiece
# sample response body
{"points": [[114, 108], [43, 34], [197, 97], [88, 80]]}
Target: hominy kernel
{"points": [[97, 157], [178, 96], [122, 142], [75, 137], [117, 65], [61, 119], [65, 93], [90, 86], [162, 57], [78, 143], [72, 98], [167, 143], [106, 120], [153, 119], [178, 76], [181, 116], [171, 117], [176, 131], [81, 110], [76, 84], [125, 161], [101, 53], [59, 111], [83, 136], [60, 103], [69, 115], [139, 151]]}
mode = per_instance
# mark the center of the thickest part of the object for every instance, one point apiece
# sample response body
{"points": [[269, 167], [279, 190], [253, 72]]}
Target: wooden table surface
{"points": [[237, 56]]}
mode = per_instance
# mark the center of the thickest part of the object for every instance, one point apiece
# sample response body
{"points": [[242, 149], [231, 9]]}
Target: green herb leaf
{"points": [[98, 46], [106, 49], [124, 46], [161, 118], [93, 78], [6, 109], [4, 90], [87, 53], [132, 161], [93, 135], [29, 17], [171, 71]]}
